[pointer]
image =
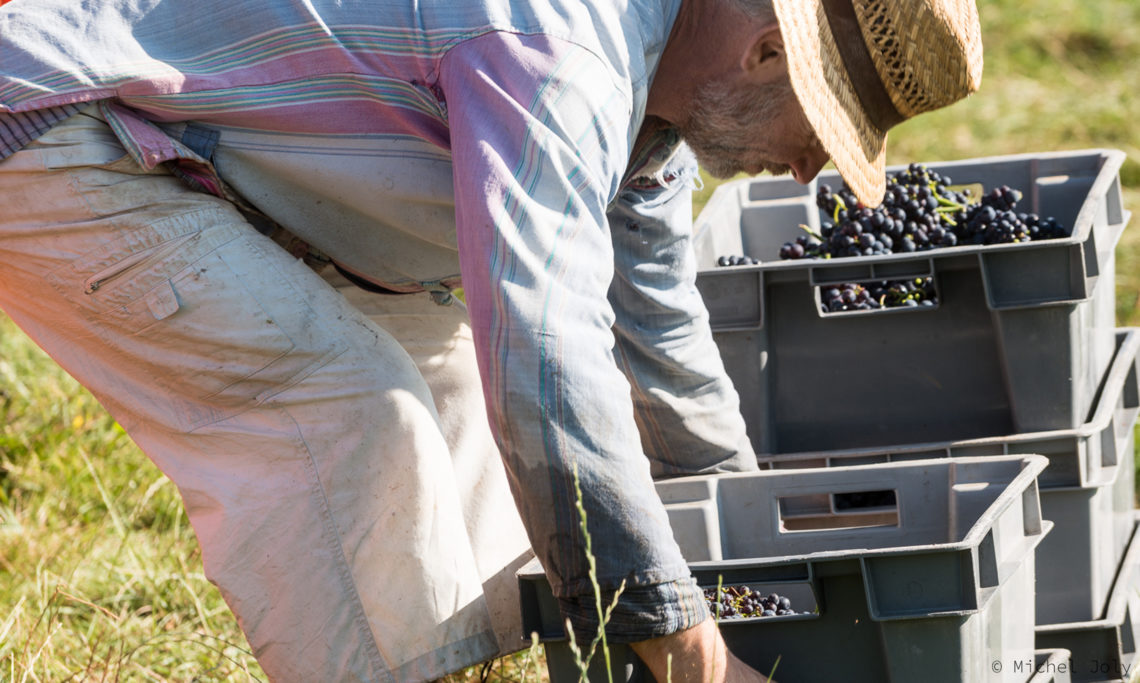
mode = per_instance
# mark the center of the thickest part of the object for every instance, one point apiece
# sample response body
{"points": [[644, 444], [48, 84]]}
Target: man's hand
{"points": [[699, 656]]}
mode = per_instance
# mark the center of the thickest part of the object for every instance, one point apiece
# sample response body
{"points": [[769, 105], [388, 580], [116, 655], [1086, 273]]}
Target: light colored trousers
{"points": [[330, 445]]}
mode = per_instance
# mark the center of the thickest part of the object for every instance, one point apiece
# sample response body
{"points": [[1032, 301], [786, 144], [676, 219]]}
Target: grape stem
{"points": [[840, 205], [947, 204], [811, 232]]}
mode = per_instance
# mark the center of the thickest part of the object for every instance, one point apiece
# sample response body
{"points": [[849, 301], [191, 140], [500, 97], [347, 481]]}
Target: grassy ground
{"points": [[100, 577]]}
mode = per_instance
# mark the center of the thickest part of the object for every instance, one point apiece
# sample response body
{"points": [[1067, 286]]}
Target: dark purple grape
{"points": [[738, 260], [735, 602], [919, 212]]}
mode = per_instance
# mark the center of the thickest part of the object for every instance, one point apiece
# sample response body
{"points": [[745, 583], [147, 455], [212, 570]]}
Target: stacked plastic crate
{"points": [[894, 440], [916, 597], [1019, 354]]}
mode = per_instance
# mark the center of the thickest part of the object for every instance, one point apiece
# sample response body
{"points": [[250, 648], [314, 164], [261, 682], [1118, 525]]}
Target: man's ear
{"points": [[763, 57]]}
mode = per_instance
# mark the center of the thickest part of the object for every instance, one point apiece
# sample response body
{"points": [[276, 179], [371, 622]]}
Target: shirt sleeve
{"points": [[539, 138], [687, 410]]}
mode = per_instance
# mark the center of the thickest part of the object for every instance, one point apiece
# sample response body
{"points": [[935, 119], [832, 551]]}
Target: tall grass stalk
{"points": [[583, 662]]}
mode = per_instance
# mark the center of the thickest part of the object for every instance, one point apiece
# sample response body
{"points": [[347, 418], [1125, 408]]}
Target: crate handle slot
{"points": [[797, 581], [931, 289], [847, 510]]}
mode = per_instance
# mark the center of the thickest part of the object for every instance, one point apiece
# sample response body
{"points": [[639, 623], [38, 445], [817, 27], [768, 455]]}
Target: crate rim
{"points": [[1032, 466], [1112, 160]]}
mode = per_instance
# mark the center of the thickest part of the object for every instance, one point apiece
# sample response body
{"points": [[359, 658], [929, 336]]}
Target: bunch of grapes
{"points": [[919, 212], [884, 294], [741, 602]]}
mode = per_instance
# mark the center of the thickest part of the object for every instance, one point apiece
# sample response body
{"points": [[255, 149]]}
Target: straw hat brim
{"points": [[829, 101]]}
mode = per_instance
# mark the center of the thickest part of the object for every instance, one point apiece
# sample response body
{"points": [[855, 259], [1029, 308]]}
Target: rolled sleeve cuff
{"points": [[642, 612]]}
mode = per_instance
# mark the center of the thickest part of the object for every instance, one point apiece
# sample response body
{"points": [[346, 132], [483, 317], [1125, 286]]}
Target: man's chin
{"points": [[769, 167], [779, 169], [717, 166], [723, 169], [722, 172]]}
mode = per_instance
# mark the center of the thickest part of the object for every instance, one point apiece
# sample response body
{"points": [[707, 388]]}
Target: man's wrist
{"points": [[695, 655]]}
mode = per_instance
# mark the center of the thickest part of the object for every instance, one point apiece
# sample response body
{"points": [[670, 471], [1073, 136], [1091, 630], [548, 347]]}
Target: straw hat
{"points": [[859, 67]]}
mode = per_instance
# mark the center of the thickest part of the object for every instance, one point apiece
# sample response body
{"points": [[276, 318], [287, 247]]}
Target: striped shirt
{"points": [[17, 130], [488, 137]]}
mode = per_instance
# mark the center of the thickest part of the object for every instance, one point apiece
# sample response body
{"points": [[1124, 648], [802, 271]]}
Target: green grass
{"points": [[100, 577]]}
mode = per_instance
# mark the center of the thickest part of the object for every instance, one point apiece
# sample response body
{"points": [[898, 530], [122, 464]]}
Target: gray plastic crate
{"points": [[1021, 335], [935, 587], [1087, 490], [1077, 563], [1104, 649]]}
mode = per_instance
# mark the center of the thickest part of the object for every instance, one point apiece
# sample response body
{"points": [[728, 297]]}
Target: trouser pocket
{"points": [[200, 304]]}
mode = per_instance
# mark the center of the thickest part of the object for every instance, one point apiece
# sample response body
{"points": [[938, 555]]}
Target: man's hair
{"points": [[761, 10]]}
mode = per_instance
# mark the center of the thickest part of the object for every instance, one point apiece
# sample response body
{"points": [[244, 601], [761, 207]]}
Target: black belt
{"points": [[366, 285]]}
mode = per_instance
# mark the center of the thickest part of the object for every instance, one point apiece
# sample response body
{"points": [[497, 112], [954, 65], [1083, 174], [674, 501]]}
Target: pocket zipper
{"points": [[93, 283]]}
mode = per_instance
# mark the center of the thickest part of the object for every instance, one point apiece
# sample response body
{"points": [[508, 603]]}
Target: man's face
{"points": [[738, 129]]}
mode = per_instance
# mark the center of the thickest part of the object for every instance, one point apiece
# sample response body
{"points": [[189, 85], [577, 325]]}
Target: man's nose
{"points": [[807, 167]]}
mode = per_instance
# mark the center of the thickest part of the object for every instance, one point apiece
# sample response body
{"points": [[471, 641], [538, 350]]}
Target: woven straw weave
{"points": [[927, 53]]}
